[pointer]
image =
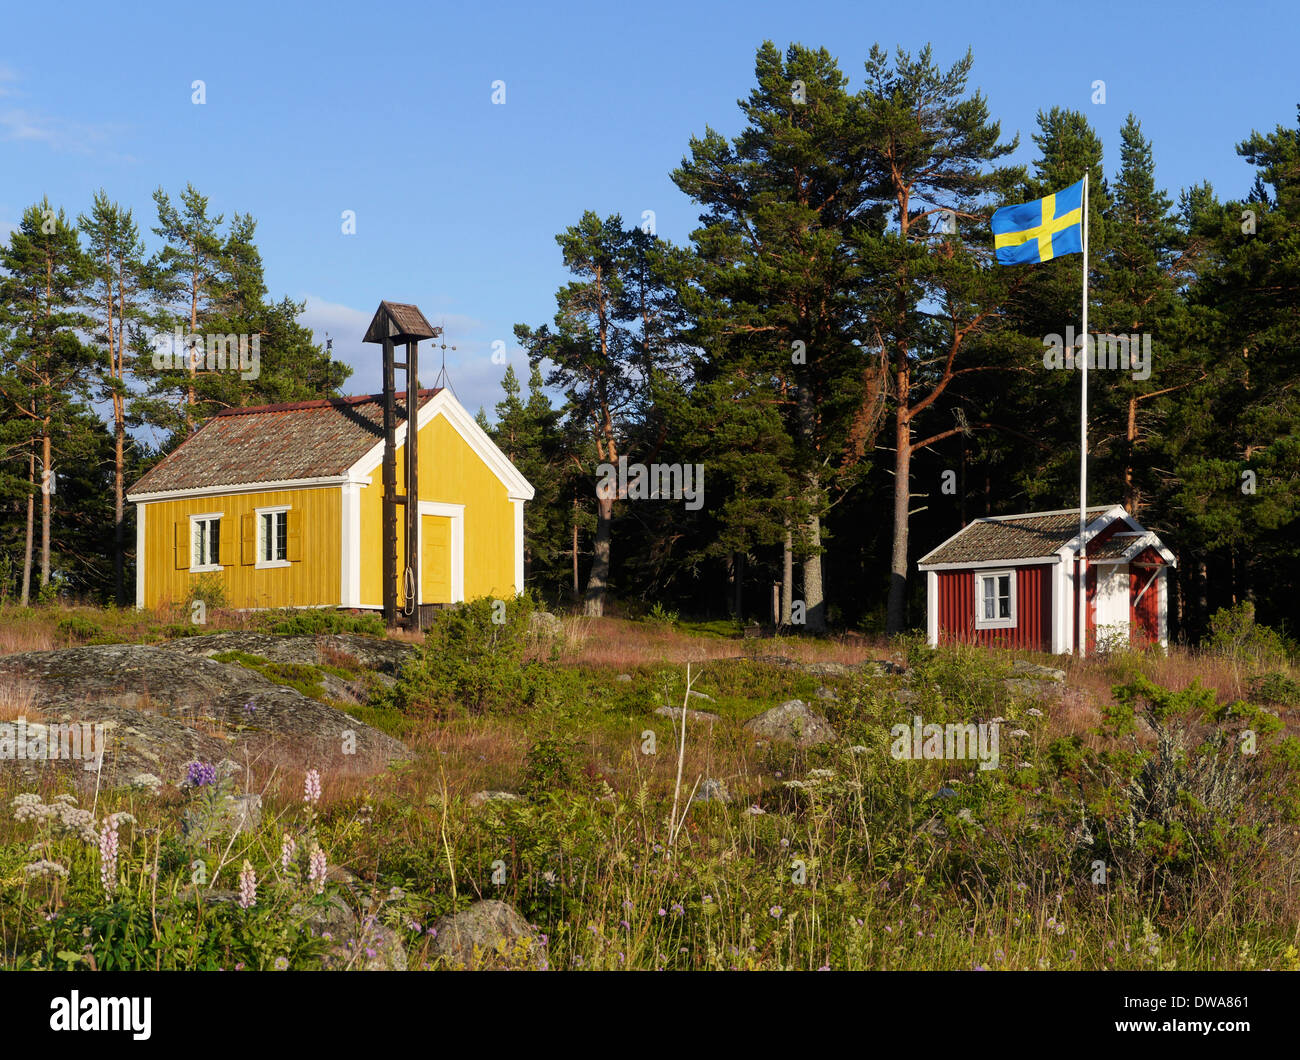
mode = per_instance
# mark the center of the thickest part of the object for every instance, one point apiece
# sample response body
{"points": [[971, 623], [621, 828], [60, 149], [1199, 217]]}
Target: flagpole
{"points": [[1083, 443]]}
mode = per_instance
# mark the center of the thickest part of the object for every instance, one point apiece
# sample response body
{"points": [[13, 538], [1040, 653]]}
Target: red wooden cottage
{"points": [[1009, 581]]}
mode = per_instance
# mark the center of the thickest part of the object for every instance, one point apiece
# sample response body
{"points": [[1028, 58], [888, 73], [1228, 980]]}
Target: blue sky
{"points": [[386, 109]]}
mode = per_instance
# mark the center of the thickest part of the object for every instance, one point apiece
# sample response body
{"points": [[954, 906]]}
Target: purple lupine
{"points": [[247, 886], [311, 787], [108, 854], [316, 871], [200, 774], [288, 851]]}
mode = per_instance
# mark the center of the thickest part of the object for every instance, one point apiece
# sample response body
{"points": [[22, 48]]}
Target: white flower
{"points": [[146, 782], [1034, 712], [45, 868], [1018, 732]]}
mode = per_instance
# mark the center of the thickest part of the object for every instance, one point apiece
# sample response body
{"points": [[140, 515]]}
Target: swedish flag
{"points": [[1040, 230]]}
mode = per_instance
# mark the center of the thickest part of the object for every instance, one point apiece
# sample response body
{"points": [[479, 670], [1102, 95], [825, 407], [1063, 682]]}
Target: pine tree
{"points": [[935, 300], [116, 254], [778, 298], [42, 288]]}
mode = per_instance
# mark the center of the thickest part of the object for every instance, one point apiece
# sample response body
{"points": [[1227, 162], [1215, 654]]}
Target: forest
{"points": [[833, 354]]}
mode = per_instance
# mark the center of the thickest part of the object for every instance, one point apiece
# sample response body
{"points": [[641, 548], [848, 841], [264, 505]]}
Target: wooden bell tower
{"points": [[395, 324]]}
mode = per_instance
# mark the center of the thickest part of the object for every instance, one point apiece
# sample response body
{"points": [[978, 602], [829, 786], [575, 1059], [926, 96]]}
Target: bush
{"points": [[547, 767], [1235, 634], [1275, 688], [210, 589], [474, 655], [317, 621], [79, 628]]}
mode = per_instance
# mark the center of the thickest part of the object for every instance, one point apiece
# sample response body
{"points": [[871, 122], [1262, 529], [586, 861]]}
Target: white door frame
{"points": [[456, 513]]}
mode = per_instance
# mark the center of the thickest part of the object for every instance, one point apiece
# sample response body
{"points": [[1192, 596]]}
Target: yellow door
{"points": [[437, 559]]}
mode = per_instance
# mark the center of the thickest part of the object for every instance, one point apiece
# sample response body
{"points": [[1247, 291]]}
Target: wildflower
{"points": [[774, 912], [708, 898], [247, 886], [824, 968], [1034, 712], [311, 787], [1018, 732], [200, 774], [250, 707], [316, 870], [755, 810], [282, 964], [663, 911], [288, 851], [678, 909], [625, 925], [785, 842], [980, 968], [888, 930], [108, 855], [146, 782], [44, 868], [999, 955]]}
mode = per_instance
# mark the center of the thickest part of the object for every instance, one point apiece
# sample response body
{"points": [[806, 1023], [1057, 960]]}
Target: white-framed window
{"points": [[995, 599], [205, 541], [272, 537]]}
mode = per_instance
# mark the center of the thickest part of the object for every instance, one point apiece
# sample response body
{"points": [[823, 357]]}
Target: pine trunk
{"points": [[814, 602], [31, 523], [787, 576], [896, 614], [598, 580], [46, 484]]}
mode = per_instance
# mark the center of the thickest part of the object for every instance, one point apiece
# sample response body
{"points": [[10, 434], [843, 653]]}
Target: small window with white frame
{"points": [[205, 542], [273, 537], [995, 599]]}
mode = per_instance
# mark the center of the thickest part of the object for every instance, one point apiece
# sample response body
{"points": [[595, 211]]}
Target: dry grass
{"points": [[18, 700]]}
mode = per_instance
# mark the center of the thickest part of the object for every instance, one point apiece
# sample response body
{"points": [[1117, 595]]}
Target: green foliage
{"points": [[1275, 688], [1235, 634], [474, 655], [210, 589], [310, 622], [79, 628], [658, 615], [547, 766], [299, 676]]}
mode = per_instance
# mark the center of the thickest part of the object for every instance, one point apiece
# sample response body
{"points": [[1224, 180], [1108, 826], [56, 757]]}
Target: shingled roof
{"points": [[275, 443], [1008, 537]]}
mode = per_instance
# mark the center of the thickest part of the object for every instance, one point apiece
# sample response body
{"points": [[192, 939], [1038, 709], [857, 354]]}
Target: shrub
{"points": [[210, 589], [317, 621], [547, 766], [1235, 634], [79, 627], [661, 616], [474, 654], [1275, 688]]}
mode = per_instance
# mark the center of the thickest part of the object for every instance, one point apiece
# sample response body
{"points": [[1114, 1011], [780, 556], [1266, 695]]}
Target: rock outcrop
{"points": [[794, 722], [164, 706]]}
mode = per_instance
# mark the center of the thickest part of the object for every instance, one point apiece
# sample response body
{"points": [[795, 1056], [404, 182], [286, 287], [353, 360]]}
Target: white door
{"points": [[1112, 604]]}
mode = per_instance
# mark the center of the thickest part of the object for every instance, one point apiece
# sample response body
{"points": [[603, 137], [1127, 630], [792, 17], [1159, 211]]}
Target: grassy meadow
{"points": [[1143, 817]]}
